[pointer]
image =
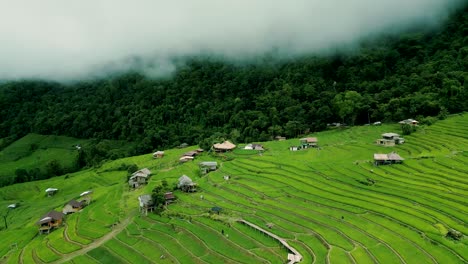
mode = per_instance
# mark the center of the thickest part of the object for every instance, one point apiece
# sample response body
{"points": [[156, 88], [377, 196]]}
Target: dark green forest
{"points": [[388, 78]]}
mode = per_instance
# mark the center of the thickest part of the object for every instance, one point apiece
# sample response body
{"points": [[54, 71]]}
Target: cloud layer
{"points": [[63, 40]]}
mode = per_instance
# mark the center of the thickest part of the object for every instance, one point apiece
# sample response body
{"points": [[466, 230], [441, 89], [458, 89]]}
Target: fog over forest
{"points": [[63, 40]]}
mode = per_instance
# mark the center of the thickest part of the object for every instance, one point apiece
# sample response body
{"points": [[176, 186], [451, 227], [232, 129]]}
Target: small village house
{"points": [[308, 142], [49, 221], [73, 206], [51, 191], [384, 159], [254, 147], [294, 148], [185, 159], [139, 178], [158, 154], [280, 138], [169, 197], [409, 121], [12, 206], [192, 153], [199, 150], [146, 203], [86, 197], [224, 147], [390, 139], [207, 166], [186, 184]]}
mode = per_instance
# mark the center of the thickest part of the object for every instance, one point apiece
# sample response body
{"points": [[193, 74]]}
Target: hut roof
{"points": [[75, 203], [190, 153], [216, 209], [159, 152], [142, 171], [208, 163], [169, 196], [184, 180], [391, 156], [380, 157], [186, 158], [86, 193], [309, 140], [408, 121], [145, 199], [12, 206], [390, 135], [50, 216], [226, 145], [394, 156], [51, 190]]}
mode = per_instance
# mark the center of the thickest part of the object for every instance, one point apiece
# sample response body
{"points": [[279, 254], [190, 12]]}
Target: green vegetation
{"points": [[389, 78], [317, 199]]}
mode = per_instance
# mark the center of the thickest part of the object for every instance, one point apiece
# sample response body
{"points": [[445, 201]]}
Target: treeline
{"points": [[388, 79]]}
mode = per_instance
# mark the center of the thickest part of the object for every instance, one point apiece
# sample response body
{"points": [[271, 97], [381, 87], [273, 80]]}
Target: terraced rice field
{"points": [[315, 199]]}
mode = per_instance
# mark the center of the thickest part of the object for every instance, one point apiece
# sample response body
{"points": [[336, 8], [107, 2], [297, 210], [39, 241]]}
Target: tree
{"points": [[348, 105]]}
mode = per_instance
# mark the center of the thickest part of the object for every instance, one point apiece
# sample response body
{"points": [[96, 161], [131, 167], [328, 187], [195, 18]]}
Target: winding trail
{"points": [[98, 242]]}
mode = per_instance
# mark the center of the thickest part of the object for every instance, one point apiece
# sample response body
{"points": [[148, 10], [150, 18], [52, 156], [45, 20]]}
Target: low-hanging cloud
{"points": [[69, 40]]}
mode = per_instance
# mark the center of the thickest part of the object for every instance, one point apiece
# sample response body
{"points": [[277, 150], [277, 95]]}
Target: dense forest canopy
{"points": [[388, 79]]}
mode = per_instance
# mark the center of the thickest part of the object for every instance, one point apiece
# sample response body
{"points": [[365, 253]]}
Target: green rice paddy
{"points": [[315, 199]]}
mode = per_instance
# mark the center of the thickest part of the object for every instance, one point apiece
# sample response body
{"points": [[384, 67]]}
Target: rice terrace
{"points": [[331, 204]]}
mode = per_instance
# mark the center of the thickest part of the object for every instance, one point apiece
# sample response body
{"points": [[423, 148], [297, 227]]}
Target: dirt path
{"points": [[98, 242]]}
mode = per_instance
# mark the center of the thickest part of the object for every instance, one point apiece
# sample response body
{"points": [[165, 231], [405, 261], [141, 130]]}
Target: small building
{"points": [[254, 147], [49, 221], [391, 158], [192, 153], [146, 203], [294, 148], [223, 147], [390, 139], [183, 145], [51, 191], [86, 197], [169, 197], [216, 209], [139, 178], [309, 142], [409, 121], [207, 166], [199, 150], [73, 206], [186, 184], [280, 138], [12, 206], [158, 154], [185, 159]]}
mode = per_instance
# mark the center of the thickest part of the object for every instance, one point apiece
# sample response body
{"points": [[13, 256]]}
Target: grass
{"points": [[315, 199]]}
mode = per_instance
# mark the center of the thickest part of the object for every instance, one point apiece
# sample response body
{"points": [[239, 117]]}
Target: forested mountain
{"points": [[387, 79]]}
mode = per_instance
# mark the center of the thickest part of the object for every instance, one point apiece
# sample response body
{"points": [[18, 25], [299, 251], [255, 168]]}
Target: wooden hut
{"points": [[308, 142], [207, 166], [383, 159], [169, 197], [49, 221], [224, 147], [139, 178], [186, 184], [146, 203], [51, 191], [73, 206], [158, 154]]}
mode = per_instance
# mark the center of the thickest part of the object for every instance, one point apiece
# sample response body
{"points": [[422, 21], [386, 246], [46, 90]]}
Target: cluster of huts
{"points": [[54, 219], [190, 155]]}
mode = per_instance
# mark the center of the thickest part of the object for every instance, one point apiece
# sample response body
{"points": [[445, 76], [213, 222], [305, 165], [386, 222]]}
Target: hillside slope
{"points": [[321, 201]]}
